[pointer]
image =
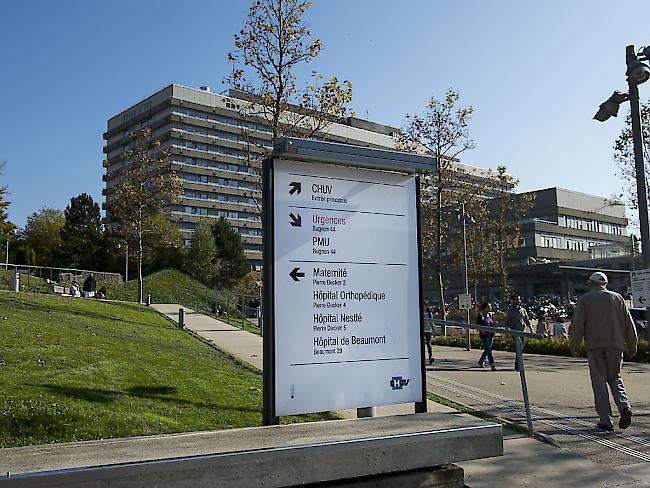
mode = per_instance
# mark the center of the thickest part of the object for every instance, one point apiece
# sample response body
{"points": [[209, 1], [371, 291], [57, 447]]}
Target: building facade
{"points": [[564, 225], [211, 145]]}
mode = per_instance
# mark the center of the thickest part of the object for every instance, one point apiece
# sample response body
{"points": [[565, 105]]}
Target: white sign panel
{"points": [[641, 287], [347, 321], [465, 301]]}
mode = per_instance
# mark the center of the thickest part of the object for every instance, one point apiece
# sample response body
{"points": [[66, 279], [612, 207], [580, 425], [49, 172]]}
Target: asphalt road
{"points": [[561, 397]]}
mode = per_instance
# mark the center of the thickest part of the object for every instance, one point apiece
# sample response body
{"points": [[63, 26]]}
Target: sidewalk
{"points": [[526, 462], [244, 345]]}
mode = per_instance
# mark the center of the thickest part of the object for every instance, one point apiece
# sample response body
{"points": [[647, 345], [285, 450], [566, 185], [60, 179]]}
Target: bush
{"points": [[549, 346]]}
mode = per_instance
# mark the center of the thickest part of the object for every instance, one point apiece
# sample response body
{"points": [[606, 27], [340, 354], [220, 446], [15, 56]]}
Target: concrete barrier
{"points": [[277, 456]]}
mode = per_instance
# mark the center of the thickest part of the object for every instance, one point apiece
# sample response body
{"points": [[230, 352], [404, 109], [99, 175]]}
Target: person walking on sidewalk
{"points": [[517, 319], [603, 321], [487, 338], [428, 330]]}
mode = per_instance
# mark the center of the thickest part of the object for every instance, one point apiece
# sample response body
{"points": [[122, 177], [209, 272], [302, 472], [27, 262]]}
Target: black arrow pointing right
{"points": [[295, 221], [296, 187], [296, 273]]}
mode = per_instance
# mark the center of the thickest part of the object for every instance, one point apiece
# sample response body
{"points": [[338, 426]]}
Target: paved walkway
{"points": [[561, 397], [526, 462], [244, 345]]}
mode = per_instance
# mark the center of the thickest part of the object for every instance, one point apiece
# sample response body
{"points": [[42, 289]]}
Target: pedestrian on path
{"points": [[559, 329], [487, 338], [603, 321], [517, 319], [428, 330]]}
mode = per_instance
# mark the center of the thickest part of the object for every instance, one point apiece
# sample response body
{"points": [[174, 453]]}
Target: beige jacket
{"points": [[602, 319]]}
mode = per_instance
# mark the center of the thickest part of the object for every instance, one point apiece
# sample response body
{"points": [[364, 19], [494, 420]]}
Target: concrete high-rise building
{"points": [[204, 133]]}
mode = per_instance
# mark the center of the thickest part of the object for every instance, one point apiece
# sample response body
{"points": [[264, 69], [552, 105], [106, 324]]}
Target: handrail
{"points": [[483, 328], [518, 335]]}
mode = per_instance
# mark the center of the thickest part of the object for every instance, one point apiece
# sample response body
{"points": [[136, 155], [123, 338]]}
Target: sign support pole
{"points": [[268, 339], [421, 406]]}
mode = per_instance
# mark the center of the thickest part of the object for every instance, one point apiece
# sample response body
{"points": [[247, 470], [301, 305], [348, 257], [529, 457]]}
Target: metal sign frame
{"points": [[328, 154]]}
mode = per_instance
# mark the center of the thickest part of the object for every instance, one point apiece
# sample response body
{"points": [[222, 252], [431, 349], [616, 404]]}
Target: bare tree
{"points": [[441, 131]]}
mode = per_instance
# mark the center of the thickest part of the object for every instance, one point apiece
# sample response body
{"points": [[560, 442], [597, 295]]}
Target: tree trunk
{"points": [[439, 281], [140, 283]]}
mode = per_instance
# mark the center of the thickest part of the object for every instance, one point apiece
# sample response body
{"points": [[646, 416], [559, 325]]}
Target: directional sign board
{"points": [[346, 287], [641, 287], [464, 301]]}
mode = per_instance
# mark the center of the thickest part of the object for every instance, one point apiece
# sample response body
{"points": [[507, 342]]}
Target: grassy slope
{"points": [[75, 369], [172, 286]]}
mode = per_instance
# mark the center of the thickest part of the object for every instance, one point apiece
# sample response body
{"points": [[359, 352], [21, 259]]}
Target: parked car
{"points": [[641, 321]]}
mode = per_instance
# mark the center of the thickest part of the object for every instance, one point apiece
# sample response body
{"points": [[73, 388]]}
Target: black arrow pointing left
{"points": [[296, 274], [295, 221]]}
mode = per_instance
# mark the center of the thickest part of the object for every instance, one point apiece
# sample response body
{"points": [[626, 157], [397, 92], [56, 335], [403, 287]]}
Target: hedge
{"points": [[548, 346]]}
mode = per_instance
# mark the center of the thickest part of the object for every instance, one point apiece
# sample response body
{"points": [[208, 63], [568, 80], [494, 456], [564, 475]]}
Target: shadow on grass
{"points": [[158, 393]]}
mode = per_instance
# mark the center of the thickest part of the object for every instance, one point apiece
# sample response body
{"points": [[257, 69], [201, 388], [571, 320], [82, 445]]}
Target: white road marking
{"points": [[514, 407]]}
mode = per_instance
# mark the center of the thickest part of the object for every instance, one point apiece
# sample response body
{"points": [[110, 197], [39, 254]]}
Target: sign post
{"points": [[342, 271], [640, 280]]}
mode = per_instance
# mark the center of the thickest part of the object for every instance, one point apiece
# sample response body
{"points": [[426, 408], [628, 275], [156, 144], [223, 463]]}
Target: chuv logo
{"points": [[397, 382]]}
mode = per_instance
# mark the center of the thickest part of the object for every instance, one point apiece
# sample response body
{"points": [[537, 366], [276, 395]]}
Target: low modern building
{"points": [[565, 236], [564, 225], [211, 145]]}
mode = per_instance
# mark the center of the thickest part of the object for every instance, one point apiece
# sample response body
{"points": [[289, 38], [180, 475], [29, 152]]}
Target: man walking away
{"points": [[602, 319], [517, 319], [487, 338]]}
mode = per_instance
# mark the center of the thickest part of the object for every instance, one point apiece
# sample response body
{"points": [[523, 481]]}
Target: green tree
{"points": [[7, 229], [147, 185], [230, 253], [82, 233], [442, 131], [272, 45], [201, 260], [42, 234], [506, 211]]}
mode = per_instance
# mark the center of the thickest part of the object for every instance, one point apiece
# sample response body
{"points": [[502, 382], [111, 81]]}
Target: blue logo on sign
{"points": [[397, 382]]}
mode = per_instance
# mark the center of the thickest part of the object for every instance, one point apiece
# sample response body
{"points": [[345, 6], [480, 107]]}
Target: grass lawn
{"points": [[76, 369], [173, 286]]}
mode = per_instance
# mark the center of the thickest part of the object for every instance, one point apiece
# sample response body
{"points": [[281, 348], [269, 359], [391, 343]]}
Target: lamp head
{"points": [[637, 72], [609, 108]]}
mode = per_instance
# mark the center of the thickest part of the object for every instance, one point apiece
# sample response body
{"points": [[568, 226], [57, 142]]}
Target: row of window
{"points": [[569, 243], [219, 197], [214, 212], [590, 225], [220, 134], [245, 231], [212, 149], [207, 163], [216, 180], [197, 114]]}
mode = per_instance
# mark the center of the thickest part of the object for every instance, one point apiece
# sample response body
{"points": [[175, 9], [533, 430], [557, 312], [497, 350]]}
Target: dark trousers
{"points": [[523, 343], [427, 341], [487, 349]]}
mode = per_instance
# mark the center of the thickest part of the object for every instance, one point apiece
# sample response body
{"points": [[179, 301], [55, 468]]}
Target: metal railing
{"points": [[43, 278], [223, 304], [517, 335]]}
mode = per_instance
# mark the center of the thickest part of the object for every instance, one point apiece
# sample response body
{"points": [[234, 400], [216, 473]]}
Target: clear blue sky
{"points": [[535, 73]]}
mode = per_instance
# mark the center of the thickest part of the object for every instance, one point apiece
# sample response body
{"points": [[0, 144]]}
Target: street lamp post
{"points": [[126, 263], [637, 73], [463, 218], [639, 167]]}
